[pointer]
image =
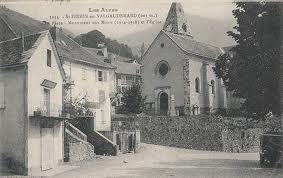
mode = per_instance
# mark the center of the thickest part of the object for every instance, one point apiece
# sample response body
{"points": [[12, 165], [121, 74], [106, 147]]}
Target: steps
{"points": [[103, 146]]}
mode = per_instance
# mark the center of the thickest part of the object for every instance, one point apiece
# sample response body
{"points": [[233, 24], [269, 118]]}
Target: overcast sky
{"points": [[219, 10]]}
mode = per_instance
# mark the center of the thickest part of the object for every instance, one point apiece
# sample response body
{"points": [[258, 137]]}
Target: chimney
{"points": [[23, 41], [104, 50]]}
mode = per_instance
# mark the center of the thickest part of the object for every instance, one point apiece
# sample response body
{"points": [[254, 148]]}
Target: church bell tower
{"points": [[176, 22]]}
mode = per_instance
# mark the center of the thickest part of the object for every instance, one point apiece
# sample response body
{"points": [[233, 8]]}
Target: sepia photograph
{"points": [[145, 89]]}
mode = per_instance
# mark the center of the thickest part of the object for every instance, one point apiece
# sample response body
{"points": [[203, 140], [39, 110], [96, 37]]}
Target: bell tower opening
{"points": [[176, 21]]}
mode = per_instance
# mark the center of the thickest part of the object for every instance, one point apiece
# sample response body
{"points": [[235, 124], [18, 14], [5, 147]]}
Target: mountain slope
{"points": [[205, 30]]}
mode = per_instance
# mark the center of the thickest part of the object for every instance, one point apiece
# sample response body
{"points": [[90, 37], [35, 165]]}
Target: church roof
{"points": [[13, 24], [11, 52], [189, 45]]}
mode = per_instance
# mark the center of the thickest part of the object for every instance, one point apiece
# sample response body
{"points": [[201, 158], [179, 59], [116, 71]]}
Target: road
{"points": [[161, 161]]}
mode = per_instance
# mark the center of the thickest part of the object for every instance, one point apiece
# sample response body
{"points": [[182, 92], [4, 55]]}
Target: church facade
{"points": [[177, 71]]}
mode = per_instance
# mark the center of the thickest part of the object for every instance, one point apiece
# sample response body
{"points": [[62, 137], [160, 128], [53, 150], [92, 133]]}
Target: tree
{"points": [[133, 100], [252, 72], [93, 38]]}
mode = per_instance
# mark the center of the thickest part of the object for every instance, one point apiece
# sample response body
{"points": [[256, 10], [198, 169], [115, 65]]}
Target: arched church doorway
{"points": [[163, 100]]}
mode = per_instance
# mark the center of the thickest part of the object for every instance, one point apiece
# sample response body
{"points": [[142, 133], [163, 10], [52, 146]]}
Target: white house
{"points": [[92, 78], [127, 70], [31, 79]]}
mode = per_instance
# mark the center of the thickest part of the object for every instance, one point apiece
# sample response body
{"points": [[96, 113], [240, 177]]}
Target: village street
{"points": [[161, 161]]}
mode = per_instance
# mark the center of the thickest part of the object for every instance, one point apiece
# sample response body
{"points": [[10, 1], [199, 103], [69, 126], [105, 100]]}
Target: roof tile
{"points": [[11, 52], [189, 45]]}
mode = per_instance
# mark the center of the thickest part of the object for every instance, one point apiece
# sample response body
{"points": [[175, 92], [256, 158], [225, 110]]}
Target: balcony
{"points": [[53, 110]]}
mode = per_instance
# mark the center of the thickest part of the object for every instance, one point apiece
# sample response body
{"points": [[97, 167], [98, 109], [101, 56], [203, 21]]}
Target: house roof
{"points": [[13, 24], [189, 45], [120, 58], [68, 48], [11, 52], [126, 68], [122, 67]]}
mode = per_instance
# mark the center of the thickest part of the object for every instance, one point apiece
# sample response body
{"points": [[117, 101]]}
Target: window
{"points": [[2, 96], [163, 69], [162, 45], [197, 85], [100, 76], [138, 71], [48, 57], [212, 87]]}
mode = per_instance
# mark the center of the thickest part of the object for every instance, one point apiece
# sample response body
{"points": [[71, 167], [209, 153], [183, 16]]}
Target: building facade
{"points": [[89, 78], [127, 72], [177, 71], [31, 119]]}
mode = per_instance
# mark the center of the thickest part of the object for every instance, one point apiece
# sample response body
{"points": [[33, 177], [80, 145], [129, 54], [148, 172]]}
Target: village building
{"points": [[177, 71], [125, 132], [89, 78], [127, 70], [31, 120]]}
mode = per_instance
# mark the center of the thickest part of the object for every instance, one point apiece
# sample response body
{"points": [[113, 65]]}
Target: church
{"points": [[177, 72]]}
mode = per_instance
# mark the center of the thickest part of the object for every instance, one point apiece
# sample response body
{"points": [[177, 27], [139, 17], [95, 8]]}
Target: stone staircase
{"points": [[76, 146], [103, 146]]}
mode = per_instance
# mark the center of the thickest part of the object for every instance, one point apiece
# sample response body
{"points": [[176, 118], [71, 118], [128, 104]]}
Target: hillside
{"points": [[206, 30]]}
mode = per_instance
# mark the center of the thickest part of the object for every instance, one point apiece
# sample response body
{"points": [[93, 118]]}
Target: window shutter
{"points": [[105, 76], [2, 96]]}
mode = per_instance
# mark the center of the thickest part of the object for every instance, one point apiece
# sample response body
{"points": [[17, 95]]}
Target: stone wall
{"points": [[202, 132], [193, 132], [76, 149]]}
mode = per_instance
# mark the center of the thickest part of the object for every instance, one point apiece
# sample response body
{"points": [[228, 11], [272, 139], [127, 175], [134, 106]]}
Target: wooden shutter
{"points": [[105, 76]]}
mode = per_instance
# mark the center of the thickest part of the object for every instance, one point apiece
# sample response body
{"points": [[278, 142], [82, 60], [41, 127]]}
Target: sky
{"points": [[42, 10]]}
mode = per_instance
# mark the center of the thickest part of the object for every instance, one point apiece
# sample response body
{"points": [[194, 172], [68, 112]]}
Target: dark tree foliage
{"points": [[251, 68], [133, 100], [93, 38]]}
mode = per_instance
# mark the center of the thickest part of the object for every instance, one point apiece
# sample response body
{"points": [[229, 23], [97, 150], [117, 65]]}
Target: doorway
{"points": [[131, 142], [163, 100], [47, 146]]}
